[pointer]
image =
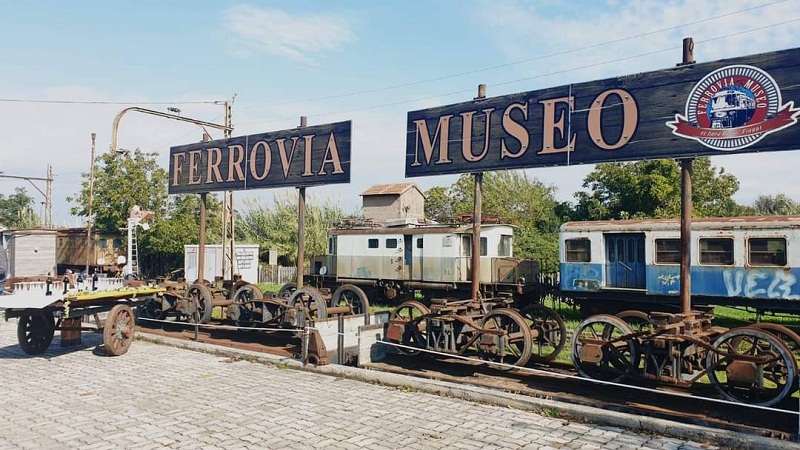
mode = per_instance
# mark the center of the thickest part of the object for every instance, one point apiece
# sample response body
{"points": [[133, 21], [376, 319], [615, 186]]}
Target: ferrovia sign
{"points": [[304, 156]]}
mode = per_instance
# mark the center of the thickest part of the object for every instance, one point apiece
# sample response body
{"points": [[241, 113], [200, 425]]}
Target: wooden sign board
{"points": [[304, 156], [730, 106]]}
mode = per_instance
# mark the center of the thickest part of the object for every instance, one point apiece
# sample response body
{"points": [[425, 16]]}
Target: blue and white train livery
{"points": [[749, 262]]}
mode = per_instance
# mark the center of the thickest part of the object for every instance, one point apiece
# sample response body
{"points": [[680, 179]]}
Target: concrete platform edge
{"points": [[566, 411]]}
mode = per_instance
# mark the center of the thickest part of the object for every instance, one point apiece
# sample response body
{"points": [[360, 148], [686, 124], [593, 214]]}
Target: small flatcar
{"points": [[750, 262]]}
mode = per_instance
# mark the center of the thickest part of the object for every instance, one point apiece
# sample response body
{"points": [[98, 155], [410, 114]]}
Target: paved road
{"points": [[158, 396]]}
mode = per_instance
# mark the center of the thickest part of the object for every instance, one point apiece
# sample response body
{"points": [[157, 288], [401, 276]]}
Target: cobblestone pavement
{"points": [[158, 396]]}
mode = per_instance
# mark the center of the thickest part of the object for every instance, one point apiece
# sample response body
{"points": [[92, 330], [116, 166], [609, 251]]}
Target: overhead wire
{"points": [[412, 83], [101, 102], [514, 63], [518, 80]]}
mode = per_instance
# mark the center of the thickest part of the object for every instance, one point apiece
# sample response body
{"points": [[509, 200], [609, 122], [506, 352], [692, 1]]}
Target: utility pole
{"points": [[48, 204], [228, 212], [89, 211]]}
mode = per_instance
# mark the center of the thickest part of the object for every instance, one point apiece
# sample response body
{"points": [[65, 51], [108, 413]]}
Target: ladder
{"points": [[132, 265], [134, 253]]}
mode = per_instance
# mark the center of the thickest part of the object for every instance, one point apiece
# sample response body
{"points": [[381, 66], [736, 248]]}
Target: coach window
{"points": [[612, 250], [767, 251], [372, 243], [717, 251], [504, 248], [578, 250], [391, 243], [332, 245], [668, 251], [640, 249]]}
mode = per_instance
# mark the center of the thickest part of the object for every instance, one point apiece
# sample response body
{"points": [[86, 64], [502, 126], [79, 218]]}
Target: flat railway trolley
{"points": [[41, 315]]}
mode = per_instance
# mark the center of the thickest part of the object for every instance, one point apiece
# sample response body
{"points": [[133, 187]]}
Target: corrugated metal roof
{"points": [[389, 189]]}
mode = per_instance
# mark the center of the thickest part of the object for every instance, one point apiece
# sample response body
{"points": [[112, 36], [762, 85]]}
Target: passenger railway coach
{"points": [[751, 262]]}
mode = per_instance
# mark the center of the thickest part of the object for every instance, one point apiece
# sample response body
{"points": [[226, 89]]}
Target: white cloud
{"points": [[580, 37], [575, 35], [274, 31]]}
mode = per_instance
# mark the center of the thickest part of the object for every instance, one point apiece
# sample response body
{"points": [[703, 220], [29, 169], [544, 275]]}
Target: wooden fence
{"points": [[277, 274]]}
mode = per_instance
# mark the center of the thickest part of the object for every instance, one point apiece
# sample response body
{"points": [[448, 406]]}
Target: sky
{"points": [[70, 67]]}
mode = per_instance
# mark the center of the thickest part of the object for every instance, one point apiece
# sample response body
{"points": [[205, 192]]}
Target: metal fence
{"points": [[276, 274]]}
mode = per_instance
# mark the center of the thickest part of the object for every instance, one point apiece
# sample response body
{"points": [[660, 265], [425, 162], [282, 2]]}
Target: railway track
{"points": [[686, 407]]}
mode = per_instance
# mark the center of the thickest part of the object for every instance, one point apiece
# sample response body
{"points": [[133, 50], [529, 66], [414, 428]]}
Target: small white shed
{"points": [[30, 252]]}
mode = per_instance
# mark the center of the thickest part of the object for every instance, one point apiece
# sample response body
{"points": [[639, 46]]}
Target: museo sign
{"points": [[730, 106], [297, 157]]}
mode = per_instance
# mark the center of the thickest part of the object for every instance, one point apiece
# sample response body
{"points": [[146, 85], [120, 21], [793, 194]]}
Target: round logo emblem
{"points": [[732, 108]]}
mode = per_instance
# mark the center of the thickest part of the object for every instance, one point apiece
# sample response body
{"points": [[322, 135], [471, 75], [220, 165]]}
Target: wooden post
{"points": [[686, 235], [70, 331], [686, 207], [301, 224], [476, 236], [89, 252], [477, 218]]}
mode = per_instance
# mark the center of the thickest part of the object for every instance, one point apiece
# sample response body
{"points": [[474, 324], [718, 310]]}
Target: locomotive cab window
{"points": [[504, 248], [391, 243], [419, 242], [372, 243], [668, 251], [578, 250], [466, 246], [767, 251]]}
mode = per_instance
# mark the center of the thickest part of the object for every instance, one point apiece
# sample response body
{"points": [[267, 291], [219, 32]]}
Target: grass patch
{"points": [[269, 287], [734, 317], [380, 307]]}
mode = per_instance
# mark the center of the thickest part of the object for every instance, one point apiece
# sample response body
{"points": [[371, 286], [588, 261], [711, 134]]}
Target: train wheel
{"points": [[751, 366], [287, 290], [548, 331], [601, 349], [247, 293], [204, 302], [354, 297], [637, 320], [786, 335], [35, 332], [313, 301], [118, 330], [410, 316], [515, 344], [243, 300]]}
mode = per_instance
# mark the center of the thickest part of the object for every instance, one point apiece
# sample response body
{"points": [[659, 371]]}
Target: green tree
{"points": [[439, 205], [16, 210], [527, 204], [653, 189], [162, 246], [775, 205], [276, 227], [120, 182]]}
